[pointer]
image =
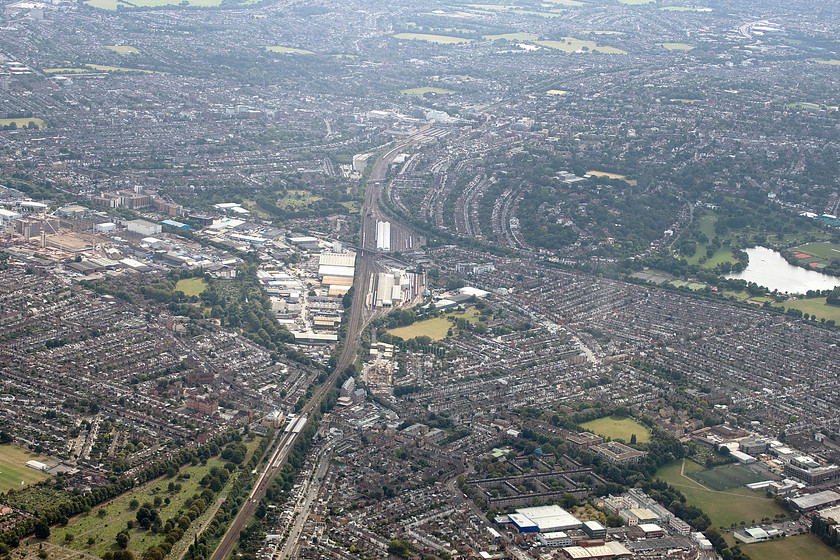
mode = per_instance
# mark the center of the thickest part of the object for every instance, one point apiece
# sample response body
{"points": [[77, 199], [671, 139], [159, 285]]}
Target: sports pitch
{"points": [[728, 476], [13, 469]]}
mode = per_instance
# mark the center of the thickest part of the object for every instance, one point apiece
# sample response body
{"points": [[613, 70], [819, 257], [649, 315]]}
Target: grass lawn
{"points": [[618, 428], [691, 285], [287, 50], [297, 200], [164, 3], [105, 4], [724, 254], [353, 206], [20, 123], [522, 36], [721, 255], [684, 9], [103, 530], [727, 477], [723, 508], [435, 328], [821, 251], [556, 92], [815, 306], [799, 547], [707, 225], [104, 68], [191, 286], [676, 46], [13, 469], [571, 45], [440, 39], [804, 105], [423, 90], [607, 175], [122, 49], [830, 62]]}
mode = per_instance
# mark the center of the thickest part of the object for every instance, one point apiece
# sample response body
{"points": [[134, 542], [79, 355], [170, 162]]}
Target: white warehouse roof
{"points": [[551, 518]]}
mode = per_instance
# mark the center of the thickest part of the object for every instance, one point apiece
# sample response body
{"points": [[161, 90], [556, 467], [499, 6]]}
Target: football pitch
{"points": [[729, 476]]}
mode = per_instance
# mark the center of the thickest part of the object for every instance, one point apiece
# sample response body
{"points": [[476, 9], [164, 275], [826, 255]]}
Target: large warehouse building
{"points": [[543, 519]]}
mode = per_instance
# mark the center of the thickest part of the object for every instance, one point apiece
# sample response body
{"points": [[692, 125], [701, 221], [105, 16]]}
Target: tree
{"points": [[42, 529], [123, 555], [154, 553], [400, 548], [122, 539]]}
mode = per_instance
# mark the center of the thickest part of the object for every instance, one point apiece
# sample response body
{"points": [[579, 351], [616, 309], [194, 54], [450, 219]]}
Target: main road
{"points": [[360, 316]]}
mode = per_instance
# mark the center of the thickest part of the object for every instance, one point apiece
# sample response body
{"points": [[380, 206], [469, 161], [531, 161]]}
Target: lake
{"points": [[767, 268]]}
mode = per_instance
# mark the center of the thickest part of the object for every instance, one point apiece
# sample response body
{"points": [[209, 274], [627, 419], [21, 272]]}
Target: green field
{"points": [[723, 508], [297, 200], [556, 92], [106, 4], [13, 469], [353, 206], [831, 62], [728, 476], [96, 68], [104, 68], [798, 547], [122, 49], [607, 175], [690, 285], [522, 36], [287, 50], [618, 428], [435, 328], [191, 286], [424, 90], [23, 122], [815, 306], [676, 46], [112, 4], [823, 252], [721, 255], [440, 39], [103, 530], [572, 45], [805, 105]]}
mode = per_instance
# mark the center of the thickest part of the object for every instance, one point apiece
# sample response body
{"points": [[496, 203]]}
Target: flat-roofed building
{"points": [[522, 523], [618, 453], [638, 516], [555, 539], [584, 439], [652, 530], [813, 502], [595, 530], [551, 518]]}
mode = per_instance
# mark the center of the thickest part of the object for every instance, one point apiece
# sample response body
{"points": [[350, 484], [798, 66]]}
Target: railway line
{"points": [[361, 313]]}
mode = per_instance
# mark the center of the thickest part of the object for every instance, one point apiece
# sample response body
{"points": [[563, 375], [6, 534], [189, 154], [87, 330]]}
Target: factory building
{"points": [[143, 227]]}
